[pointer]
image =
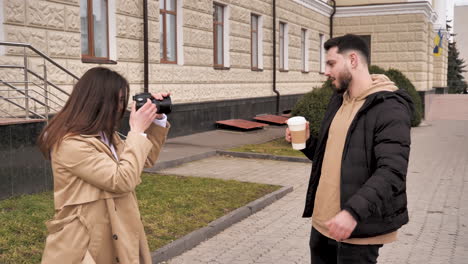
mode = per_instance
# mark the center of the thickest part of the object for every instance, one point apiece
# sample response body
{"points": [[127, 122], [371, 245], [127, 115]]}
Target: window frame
{"points": [[283, 44], [322, 60], [368, 40], [304, 50], [163, 12], [257, 32], [90, 57], [215, 38]]}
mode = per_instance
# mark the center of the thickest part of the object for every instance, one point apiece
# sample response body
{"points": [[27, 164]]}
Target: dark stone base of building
{"points": [[23, 170], [198, 117]]}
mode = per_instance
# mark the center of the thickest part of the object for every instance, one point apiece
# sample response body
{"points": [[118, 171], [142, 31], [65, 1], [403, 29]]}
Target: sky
{"points": [[450, 4], [461, 2]]}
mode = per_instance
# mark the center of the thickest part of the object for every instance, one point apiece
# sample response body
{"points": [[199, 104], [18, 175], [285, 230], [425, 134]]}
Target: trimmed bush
{"points": [[374, 69], [404, 83], [313, 104]]}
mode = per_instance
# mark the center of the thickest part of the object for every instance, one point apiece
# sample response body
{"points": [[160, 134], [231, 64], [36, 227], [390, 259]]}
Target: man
{"points": [[357, 189]]}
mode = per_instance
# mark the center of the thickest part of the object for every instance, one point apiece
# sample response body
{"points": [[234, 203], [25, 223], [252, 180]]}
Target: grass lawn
{"points": [[171, 207], [279, 147]]}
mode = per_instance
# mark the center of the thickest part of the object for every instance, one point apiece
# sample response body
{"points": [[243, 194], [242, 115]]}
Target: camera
{"points": [[164, 106]]}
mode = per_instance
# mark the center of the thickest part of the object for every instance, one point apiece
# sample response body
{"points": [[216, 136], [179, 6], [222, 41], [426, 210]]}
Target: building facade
{"points": [[219, 59], [460, 29]]}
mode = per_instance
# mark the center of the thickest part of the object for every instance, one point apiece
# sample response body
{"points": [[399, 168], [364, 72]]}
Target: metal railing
{"points": [[45, 98]]}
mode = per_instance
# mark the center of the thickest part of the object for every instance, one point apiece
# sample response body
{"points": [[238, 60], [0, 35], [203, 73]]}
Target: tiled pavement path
{"points": [[437, 193]]}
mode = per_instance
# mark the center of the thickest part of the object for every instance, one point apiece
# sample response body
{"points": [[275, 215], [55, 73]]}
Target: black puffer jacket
{"points": [[374, 162]]}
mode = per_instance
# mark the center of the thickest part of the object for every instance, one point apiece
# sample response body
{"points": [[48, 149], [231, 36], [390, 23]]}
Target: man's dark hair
{"points": [[349, 42]]}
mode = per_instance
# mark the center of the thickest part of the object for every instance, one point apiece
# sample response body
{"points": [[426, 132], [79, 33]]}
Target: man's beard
{"points": [[345, 79]]}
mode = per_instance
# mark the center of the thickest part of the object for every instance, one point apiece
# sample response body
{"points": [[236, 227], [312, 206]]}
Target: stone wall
{"points": [[53, 27], [403, 42], [441, 64]]}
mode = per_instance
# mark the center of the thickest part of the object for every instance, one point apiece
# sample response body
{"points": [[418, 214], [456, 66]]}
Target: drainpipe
{"points": [[331, 18], [274, 58], [145, 45]]}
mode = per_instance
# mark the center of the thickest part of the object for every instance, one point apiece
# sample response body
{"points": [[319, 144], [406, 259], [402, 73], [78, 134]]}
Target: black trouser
{"points": [[324, 250]]}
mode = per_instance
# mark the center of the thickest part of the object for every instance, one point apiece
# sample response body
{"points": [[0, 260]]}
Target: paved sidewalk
{"points": [[179, 150], [437, 194]]}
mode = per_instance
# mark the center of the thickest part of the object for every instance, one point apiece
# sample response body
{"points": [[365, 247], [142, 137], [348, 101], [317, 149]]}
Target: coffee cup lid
{"points": [[296, 120]]}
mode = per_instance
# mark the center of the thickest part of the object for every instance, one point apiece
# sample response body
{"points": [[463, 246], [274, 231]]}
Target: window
{"points": [[218, 29], [305, 50], [367, 39], [283, 46], [168, 30], [254, 41], [321, 53], [94, 30]]}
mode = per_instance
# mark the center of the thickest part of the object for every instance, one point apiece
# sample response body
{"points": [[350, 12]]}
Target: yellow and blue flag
{"points": [[438, 44]]}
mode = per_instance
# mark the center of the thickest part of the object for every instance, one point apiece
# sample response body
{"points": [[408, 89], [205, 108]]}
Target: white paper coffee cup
{"points": [[297, 127]]}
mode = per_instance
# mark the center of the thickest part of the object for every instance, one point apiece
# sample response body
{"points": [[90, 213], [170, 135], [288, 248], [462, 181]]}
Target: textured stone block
{"points": [[241, 14], [153, 9], [201, 5], [134, 28], [381, 28], [406, 36], [15, 11], [130, 7], [420, 36], [398, 28], [153, 28], [421, 56], [406, 18], [417, 27], [130, 50], [33, 36], [398, 46], [405, 56], [198, 20], [387, 19], [42, 13], [348, 21], [198, 38], [135, 72], [72, 19], [240, 29], [368, 20], [386, 37], [417, 66], [121, 26], [64, 44]]}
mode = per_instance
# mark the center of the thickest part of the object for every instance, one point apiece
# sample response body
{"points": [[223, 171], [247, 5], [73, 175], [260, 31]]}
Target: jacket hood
{"points": [[383, 88], [380, 83]]}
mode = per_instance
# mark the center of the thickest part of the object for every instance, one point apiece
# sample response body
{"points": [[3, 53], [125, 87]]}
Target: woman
{"points": [[95, 172]]}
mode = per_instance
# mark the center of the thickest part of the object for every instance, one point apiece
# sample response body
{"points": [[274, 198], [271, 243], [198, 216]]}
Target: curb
{"points": [[251, 155], [177, 162], [194, 238]]}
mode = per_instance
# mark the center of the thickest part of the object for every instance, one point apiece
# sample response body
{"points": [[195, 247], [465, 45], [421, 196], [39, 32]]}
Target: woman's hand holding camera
{"points": [[160, 96], [140, 120]]}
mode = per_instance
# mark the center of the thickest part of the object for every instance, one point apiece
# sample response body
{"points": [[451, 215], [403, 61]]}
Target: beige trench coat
{"points": [[97, 220]]}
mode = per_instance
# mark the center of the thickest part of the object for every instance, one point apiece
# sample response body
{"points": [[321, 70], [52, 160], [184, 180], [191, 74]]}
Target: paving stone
{"points": [[437, 187]]}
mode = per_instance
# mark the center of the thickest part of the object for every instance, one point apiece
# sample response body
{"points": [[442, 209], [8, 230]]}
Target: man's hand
{"points": [[287, 133], [341, 225]]}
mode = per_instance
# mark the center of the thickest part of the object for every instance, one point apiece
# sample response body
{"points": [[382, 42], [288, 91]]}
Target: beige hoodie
{"points": [[327, 199]]}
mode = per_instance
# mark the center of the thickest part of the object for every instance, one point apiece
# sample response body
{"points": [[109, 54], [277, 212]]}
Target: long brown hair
{"points": [[93, 107]]}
